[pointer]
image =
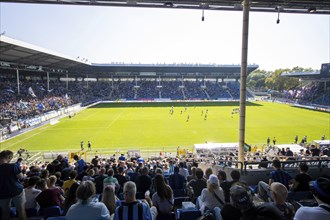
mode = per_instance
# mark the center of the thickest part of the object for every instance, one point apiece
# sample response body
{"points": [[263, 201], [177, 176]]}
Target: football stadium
{"points": [[83, 140]]}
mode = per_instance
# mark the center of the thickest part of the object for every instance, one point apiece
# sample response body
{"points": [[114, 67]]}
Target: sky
{"points": [[144, 35]]}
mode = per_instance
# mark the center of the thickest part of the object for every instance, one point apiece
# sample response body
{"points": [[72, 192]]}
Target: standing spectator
{"points": [[80, 164], [277, 175], [176, 180], [279, 194], [132, 207], [86, 208], [121, 178], [143, 182], [301, 180], [321, 192], [11, 190]]}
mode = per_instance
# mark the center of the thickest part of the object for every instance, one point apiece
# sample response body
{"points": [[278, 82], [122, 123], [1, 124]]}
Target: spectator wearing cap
{"points": [[321, 192], [241, 199], [279, 194], [277, 175], [212, 198]]}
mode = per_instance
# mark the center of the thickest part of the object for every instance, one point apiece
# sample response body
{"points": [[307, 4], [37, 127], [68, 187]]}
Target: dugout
{"points": [[321, 143], [217, 149]]}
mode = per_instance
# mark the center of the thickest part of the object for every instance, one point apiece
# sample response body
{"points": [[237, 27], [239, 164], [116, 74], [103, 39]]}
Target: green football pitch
{"points": [[151, 127]]}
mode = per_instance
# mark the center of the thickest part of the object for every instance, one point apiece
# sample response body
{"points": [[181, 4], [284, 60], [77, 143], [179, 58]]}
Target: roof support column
{"points": [[244, 56], [17, 76], [47, 81]]}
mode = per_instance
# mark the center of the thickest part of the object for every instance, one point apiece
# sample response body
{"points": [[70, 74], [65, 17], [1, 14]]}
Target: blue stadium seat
{"points": [[52, 211]]}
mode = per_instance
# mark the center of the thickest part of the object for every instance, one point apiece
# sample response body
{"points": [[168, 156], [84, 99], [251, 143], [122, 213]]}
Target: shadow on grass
{"points": [[170, 104]]}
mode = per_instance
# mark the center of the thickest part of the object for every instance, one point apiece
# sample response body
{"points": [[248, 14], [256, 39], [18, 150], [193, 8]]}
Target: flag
{"points": [[30, 91], [10, 90], [40, 106]]}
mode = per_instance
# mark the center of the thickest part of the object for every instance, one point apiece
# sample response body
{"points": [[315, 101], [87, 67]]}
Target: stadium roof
{"points": [[322, 75], [17, 54], [284, 6]]}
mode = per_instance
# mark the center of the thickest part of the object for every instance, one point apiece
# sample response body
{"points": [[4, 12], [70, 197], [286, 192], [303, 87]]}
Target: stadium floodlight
{"points": [[278, 14], [203, 18]]}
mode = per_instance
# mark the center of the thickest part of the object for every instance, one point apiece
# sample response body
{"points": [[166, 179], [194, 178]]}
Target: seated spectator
{"points": [[208, 172], [51, 184], [86, 207], [193, 174], [89, 176], [197, 185], [71, 197], [109, 199], [241, 198], [59, 182], [321, 192], [121, 178], [31, 193], [224, 184], [110, 180], [162, 199], [132, 207], [48, 197], [212, 198], [275, 176], [98, 180], [183, 170], [67, 184], [11, 190], [176, 180], [279, 194], [301, 180]]}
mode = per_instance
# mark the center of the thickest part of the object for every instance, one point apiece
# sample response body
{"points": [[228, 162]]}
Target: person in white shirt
{"points": [[31, 193]]}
